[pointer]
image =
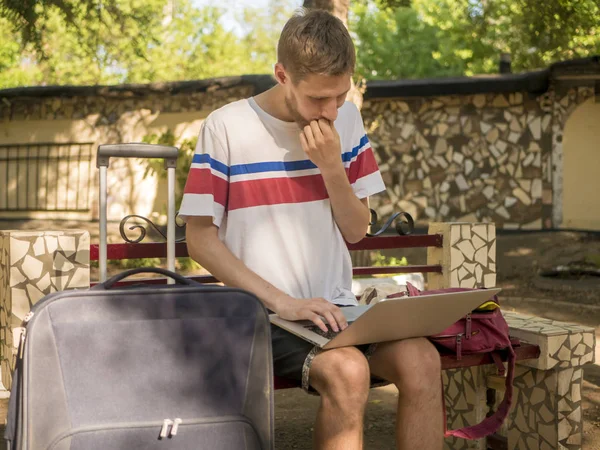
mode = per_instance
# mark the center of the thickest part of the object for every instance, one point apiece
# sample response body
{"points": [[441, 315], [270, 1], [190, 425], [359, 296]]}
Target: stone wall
{"points": [[474, 158], [494, 157], [110, 107]]}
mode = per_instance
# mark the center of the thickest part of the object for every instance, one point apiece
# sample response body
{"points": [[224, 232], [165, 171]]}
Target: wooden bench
{"points": [[547, 398]]}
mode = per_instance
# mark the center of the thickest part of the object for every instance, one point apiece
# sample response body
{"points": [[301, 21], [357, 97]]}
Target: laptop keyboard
{"points": [[330, 334]]}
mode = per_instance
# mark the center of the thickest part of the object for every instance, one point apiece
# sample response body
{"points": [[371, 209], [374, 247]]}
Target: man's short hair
{"points": [[315, 42]]}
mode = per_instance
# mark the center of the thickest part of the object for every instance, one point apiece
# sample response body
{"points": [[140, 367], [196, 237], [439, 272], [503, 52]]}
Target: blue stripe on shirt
{"points": [[205, 158], [271, 166]]}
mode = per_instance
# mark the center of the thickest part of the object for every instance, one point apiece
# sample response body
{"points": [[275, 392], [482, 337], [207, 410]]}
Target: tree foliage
{"points": [[174, 41], [466, 37], [131, 19], [117, 41]]}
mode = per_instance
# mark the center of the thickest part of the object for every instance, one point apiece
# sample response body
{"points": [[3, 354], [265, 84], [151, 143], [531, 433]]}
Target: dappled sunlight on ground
{"points": [[521, 251]]}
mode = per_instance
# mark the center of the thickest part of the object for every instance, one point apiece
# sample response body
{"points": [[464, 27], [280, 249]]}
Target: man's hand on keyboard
{"points": [[317, 310]]}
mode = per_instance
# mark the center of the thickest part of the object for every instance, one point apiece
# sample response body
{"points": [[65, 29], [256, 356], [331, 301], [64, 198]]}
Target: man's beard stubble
{"points": [[291, 106]]}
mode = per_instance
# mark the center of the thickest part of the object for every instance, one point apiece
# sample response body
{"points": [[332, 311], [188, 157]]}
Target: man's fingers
{"points": [[325, 127], [333, 314], [340, 318], [332, 321], [316, 319], [316, 130], [303, 142], [310, 139]]}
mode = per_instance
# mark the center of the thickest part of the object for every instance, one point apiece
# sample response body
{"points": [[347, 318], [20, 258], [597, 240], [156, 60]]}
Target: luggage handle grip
{"points": [[108, 284], [136, 150]]}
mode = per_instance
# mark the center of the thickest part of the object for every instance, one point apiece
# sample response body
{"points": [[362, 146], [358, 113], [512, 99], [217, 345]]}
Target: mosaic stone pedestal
{"points": [[465, 392], [468, 259], [546, 413], [32, 265]]}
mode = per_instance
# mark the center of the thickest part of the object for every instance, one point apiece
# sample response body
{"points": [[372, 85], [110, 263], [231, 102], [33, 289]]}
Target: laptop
{"points": [[391, 319]]}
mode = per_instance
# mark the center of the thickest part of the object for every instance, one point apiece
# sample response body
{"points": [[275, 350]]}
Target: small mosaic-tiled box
{"points": [[468, 255], [32, 265]]}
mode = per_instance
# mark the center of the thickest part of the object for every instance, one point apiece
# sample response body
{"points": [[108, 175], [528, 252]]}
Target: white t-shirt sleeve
{"points": [[363, 171], [207, 187]]}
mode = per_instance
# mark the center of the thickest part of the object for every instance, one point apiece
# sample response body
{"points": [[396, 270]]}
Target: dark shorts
{"points": [[292, 357]]}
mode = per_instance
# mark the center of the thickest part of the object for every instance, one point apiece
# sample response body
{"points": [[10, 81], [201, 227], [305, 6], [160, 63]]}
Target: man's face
{"points": [[316, 97]]}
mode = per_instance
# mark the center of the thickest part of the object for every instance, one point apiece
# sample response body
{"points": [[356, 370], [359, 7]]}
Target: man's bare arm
{"points": [[351, 214], [321, 143], [205, 247]]}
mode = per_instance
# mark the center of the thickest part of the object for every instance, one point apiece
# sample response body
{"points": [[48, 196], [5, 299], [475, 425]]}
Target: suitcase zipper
{"points": [[22, 343], [26, 319], [175, 427], [174, 424], [165, 428]]}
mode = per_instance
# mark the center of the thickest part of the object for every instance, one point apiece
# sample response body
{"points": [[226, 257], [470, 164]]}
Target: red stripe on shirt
{"points": [[274, 191], [202, 181], [363, 165]]}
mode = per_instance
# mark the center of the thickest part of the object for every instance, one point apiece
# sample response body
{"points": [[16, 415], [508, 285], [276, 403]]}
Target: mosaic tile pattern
{"points": [[34, 264], [465, 394], [546, 413], [475, 158], [109, 107], [468, 257], [562, 345]]}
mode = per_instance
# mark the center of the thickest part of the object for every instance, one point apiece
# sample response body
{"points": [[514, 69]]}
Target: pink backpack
{"points": [[478, 332]]}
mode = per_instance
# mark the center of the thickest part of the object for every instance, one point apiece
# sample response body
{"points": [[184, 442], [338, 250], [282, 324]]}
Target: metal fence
{"points": [[45, 177]]}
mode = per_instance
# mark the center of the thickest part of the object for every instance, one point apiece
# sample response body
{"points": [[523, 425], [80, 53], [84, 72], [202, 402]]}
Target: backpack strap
{"points": [[490, 424]]}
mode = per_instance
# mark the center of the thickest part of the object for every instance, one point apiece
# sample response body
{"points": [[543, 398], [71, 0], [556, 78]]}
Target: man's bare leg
{"points": [[341, 376], [413, 365]]}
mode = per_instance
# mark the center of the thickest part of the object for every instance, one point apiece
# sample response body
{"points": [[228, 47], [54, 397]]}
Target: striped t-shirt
{"points": [[268, 199]]}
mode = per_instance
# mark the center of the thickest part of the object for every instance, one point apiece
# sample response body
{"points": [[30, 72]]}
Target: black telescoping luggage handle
{"points": [[136, 150], [108, 284]]}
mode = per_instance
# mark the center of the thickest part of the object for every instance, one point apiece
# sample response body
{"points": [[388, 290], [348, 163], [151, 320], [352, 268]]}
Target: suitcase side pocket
{"points": [[216, 433]]}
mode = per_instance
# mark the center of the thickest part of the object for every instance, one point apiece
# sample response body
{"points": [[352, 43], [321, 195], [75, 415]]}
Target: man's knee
{"points": [[417, 367], [342, 374]]}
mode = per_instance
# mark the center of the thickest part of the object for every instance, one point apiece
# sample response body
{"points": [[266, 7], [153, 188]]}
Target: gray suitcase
{"points": [[181, 366]]}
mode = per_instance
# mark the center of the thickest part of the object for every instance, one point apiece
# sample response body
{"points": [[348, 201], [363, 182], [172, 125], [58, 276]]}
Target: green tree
{"points": [[127, 18], [466, 37], [16, 68], [185, 43], [394, 43], [115, 41], [535, 32], [74, 43]]}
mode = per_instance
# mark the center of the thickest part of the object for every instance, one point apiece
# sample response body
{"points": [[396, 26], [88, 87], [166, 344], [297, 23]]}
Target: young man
{"points": [[278, 182]]}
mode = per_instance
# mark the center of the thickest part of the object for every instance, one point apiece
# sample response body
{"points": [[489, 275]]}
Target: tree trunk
{"points": [[339, 8]]}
